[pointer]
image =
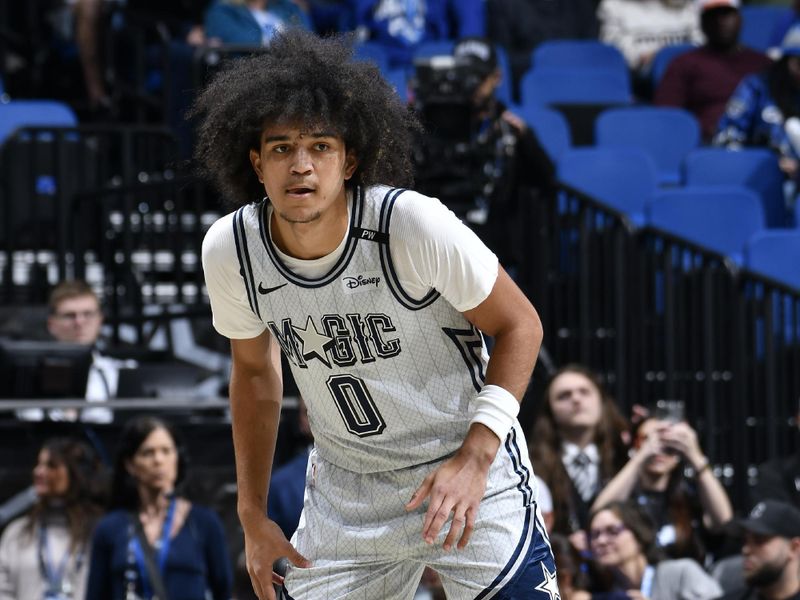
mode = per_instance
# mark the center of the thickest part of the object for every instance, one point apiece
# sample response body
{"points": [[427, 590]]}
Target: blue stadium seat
{"points": [[666, 133], [775, 254], [577, 53], [663, 57], [372, 52], [503, 92], [575, 85], [398, 78], [754, 168], [758, 24], [719, 218], [622, 178], [430, 48], [550, 126], [33, 113]]}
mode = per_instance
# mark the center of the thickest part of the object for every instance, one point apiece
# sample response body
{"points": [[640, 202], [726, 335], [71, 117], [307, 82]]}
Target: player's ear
{"points": [[350, 164], [255, 160]]}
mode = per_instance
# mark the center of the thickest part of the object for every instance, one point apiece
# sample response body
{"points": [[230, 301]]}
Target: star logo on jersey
{"points": [[549, 585], [314, 343]]}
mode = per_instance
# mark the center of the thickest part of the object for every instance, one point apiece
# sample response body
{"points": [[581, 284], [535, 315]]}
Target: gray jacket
{"points": [[683, 579]]}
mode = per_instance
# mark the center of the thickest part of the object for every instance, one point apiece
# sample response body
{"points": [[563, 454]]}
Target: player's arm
{"points": [[255, 395], [458, 486]]}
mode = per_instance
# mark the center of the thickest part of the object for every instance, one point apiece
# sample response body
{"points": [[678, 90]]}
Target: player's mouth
{"points": [[299, 191]]}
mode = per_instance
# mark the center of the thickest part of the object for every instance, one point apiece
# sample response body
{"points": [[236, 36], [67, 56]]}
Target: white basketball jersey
{"points": [[388, 379]]}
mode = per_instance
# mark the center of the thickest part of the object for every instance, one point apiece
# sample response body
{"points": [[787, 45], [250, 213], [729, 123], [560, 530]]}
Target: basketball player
{"points": [[377, 296]]}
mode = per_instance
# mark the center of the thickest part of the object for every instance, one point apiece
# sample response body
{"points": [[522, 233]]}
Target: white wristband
{"points": [[496, 408]]}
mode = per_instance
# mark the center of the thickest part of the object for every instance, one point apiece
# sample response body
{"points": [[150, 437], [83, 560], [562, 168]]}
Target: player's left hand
{"points": [[456, 487]]}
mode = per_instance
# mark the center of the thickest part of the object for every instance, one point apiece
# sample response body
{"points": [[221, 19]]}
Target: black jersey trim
{"points": [[386, 258], [356, 215], [245, 267]]}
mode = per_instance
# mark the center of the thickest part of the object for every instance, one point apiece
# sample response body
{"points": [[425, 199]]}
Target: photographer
{"points": [[477, 157], [686, 511]]}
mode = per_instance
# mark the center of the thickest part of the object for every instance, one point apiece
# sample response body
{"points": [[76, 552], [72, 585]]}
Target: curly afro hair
{"points": [[301, 78]]}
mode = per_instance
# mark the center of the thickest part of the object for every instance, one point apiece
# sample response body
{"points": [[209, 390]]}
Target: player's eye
{"points": [[322, 146], [281, 149]]}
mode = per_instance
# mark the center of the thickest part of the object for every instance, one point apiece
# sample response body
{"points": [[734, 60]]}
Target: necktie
{"points": [[582, 477]]}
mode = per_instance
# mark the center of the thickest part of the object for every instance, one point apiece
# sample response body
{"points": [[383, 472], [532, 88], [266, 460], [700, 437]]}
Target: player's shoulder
{"points": [[408, 208], [221, 232]]}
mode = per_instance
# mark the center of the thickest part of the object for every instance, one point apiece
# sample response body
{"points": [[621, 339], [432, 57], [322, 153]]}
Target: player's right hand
{"points": [[264, 544]]}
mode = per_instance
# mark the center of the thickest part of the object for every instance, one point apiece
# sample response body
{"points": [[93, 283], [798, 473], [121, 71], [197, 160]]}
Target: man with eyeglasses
{"points": [[75, 317], [770, 552]]}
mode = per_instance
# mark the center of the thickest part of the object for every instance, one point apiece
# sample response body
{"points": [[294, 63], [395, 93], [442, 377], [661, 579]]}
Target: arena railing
{"points": [[663, 318], [48, 235]]}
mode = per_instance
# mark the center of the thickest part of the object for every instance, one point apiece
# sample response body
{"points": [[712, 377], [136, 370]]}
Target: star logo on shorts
{"points": [[549, 585]]}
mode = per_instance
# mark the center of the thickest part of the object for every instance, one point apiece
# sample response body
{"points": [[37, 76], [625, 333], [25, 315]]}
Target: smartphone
{"points": [[670, 410]]}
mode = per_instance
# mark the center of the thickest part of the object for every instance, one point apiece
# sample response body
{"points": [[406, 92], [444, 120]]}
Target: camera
{"points": [[443, 88], [457, 161]]}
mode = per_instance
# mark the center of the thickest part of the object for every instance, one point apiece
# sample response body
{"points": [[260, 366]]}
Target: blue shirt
{"points": [[197, 560], [752, 118]]}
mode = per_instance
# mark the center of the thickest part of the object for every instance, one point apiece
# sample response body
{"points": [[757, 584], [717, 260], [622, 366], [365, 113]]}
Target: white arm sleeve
{"points": [[232, 315], [432, 248]]}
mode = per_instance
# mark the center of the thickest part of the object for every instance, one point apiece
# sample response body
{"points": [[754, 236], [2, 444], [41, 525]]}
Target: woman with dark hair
{"points": [[623, 542], [685, 511], [45, 553], [577, 445], [154, 541]]}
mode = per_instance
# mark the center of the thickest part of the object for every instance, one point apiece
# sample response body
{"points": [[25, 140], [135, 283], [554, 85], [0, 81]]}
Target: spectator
{"points": [[77, 318], [577, 446], [252, 22], [45, 553], [702, 80], [521, 25], [640, 28], [771, 552], [402, 26], [685, 511], [624, 543], [763, 106], [151, 524]]}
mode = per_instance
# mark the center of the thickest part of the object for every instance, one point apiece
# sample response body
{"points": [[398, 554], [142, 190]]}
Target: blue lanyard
{"points": [[647, 581], [53, 573], [163, 550]]}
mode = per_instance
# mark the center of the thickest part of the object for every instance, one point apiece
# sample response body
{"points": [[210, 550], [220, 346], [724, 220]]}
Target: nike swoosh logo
{"points": [[264, 291]]}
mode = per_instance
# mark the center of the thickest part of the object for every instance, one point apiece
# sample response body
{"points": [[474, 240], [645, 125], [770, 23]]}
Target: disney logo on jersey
{"points": [[368, 280], [340, 340]]}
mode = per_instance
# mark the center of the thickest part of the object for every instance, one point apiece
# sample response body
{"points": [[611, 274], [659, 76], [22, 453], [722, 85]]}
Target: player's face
{"points": [[50, 476], [575, 401], [155, 464], [612, 542], [76, 320], [303, 171]]}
